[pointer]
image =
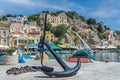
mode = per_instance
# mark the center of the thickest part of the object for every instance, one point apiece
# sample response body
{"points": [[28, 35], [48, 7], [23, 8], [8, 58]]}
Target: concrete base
{"points": [[9, 59]]}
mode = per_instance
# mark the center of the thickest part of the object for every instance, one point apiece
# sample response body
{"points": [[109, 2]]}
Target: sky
{"points": [[106, 11]]}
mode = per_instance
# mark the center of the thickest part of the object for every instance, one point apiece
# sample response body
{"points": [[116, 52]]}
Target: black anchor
{"points": [[50, 71]]}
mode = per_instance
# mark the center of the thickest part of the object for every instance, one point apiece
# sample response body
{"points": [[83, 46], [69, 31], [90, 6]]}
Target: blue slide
{"points": [[21, 59]]}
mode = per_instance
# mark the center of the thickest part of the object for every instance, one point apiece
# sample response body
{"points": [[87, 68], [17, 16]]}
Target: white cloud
{"points": [[23, 2], [104, 13], [63, 5]]}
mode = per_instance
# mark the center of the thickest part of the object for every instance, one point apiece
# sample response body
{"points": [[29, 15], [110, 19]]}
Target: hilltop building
{"points": [[56, 20], [17, 19]]}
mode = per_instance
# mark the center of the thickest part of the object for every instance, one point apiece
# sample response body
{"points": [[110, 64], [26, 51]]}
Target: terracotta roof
{"points": [[16, 24]]}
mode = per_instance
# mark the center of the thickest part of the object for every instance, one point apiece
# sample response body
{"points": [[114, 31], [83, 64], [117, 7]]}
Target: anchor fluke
{"points": [[65, 73], [67, 70]]}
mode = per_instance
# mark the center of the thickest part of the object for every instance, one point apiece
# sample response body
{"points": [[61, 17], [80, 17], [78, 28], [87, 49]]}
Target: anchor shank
{"points": [[60, 61]]}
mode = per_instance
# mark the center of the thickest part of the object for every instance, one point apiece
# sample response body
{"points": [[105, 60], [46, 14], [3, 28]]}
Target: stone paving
{"points": [[88, 71]]}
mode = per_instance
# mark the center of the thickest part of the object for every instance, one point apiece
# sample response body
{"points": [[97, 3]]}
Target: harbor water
{"points": [[101, 55], [111, 55]]}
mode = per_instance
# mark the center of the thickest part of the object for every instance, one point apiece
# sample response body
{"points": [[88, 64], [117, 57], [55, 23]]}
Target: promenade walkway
{"points": [[88, 71]]}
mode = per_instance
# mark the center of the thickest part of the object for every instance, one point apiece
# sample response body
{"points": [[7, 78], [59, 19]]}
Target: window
{"points": [[25, 41], [16, 29], [19, 41], [28, 30], [4, 33], [12, 29], [4, 41], [21, 29], [33, 29], [15, 42], [37, 28]]}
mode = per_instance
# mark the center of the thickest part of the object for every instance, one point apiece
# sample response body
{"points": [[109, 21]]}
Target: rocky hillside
{"points": [[85, 33], [88, 32]]}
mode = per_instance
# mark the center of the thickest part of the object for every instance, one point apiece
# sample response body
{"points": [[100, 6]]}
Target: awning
{"points": [[84, 53], [31, 38], [55, 47], [62, 46], [32, 46], [72, 47], [4, 47]]}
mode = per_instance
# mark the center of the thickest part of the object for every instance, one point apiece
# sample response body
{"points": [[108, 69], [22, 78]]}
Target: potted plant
{"points": [[9, 58], [10, 51]]}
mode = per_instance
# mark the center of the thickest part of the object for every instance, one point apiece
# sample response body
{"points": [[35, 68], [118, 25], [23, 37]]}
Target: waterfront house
{"points": [[18, 38], [33, 32], [4, 33]]}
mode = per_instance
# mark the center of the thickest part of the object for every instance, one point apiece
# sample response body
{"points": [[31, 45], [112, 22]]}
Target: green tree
{"points": [[9, 15], [100, 28], [118, 46], [53, 29], [60, 30], [45, 11], [90, 41], [118, 32], [91, 21], [10, 51], [106, 27], [4, 18], [101, 36], [74, 28], [56, 42], [35, 17], [70, 14], [75, 40], [82, 18], [20, 15], [58, 12]]}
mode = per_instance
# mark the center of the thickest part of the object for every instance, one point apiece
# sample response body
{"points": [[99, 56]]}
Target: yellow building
{"points": [[48, 36], [87, 30]]}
